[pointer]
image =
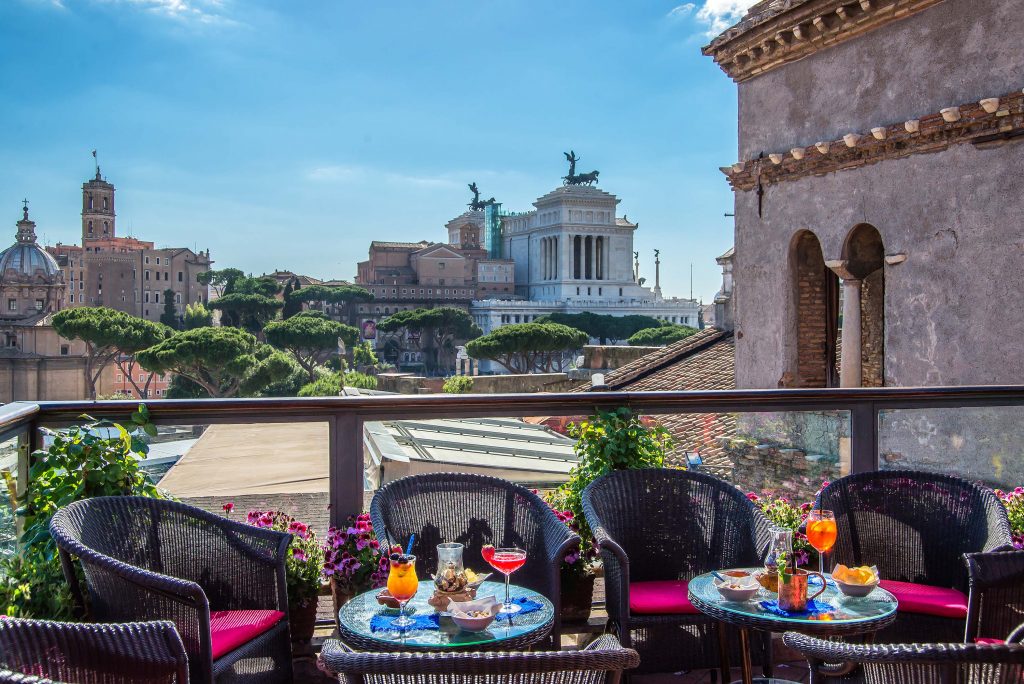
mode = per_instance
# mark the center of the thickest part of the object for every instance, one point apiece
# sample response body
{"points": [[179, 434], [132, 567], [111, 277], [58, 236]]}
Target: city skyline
{"points": [[217, 137]]}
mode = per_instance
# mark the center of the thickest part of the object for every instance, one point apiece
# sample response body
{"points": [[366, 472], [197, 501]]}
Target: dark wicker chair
{"points": [[475, 510], [914, 663], [602, 662], [996, 598], [37, 651], [915, 526], [664, 525], [151, 559]]}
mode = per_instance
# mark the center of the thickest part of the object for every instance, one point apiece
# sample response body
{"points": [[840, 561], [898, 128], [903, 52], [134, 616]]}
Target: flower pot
{"points": [[302, 619], [339, 596], [577, 597]]}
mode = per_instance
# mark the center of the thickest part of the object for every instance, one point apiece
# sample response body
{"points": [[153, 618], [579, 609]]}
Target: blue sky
{"points": [[290, 134]]}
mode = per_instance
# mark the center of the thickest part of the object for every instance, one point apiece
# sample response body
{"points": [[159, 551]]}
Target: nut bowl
{"points": [[738, 589], [475, 616]]}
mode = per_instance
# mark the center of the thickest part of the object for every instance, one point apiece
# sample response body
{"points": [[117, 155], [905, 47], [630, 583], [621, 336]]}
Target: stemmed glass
{"points": [[821, 533], [506, 561], [402, 585]]}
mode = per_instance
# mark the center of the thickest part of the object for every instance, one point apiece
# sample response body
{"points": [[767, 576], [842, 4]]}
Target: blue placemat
{"points": [[813, 608], [385, 622]]}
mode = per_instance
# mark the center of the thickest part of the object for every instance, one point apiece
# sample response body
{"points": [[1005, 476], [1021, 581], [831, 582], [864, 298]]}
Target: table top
{"points": [[519, 631], [846, 615]]}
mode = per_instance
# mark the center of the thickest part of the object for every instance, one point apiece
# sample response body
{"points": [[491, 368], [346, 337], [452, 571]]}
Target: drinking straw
{"points": [[408, 549]]}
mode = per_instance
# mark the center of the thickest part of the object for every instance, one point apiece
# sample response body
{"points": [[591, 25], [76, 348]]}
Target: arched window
{"points": [[106, 227], [90, 227], [817, 315], [864, 255]]}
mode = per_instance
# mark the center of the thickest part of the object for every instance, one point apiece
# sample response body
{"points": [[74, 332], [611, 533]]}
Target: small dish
{"points": [[385, 599], [476, 615], [855, 590], [478, 580], [738, 588]]}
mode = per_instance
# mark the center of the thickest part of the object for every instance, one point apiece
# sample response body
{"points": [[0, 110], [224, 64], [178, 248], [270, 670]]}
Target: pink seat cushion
{"points": [[229, 629], [927, 600], [660, 598], [989, 642]]}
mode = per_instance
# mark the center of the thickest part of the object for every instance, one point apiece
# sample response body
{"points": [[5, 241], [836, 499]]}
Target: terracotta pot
{"points": [[339, 597], [302, 619], [577, 597]]}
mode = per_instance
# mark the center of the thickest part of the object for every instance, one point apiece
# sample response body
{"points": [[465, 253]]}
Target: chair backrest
{"points": [[918, 663], [125, 653], [996, 599], [602, 662], [675, 524], [914, 525], [473, 510]]}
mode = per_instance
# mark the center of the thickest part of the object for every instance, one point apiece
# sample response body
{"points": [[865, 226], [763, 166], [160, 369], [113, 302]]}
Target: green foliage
{"points": [[443, 326], [332, 294], [529, 347], [305, 560], [197, 316], [363, 355], [458, 384], [169, 316], [359, 380], [290, 384], [327, 385], [181, 387], [291, 306], [607, 441], [94, 459], [602, 326], [246, 310], [223, 361], [785, 515], [310, 340], [659, 337], [223, 279]]}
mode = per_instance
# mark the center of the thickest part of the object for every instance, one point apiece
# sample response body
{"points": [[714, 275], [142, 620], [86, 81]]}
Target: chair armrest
{"points": [[1000, 535], [558, 538]]}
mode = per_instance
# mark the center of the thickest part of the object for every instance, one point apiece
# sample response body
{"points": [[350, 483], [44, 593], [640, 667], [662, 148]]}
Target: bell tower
{"points": [[97, 208]]}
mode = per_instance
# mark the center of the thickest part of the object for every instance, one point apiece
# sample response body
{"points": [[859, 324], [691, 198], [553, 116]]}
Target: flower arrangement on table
{"points": [[787, 515], [353, 561]]}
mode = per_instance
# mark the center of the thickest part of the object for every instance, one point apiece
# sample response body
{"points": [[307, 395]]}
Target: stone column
{"points": [[850, 366], [554, 258]]}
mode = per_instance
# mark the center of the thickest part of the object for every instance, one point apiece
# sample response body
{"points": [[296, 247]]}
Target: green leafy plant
{"points": [[607, 441], [458, 384], [305, 555], [98, 458], [789, 516], [659, 337]]}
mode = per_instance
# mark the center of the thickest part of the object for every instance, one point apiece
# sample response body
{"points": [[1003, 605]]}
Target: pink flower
{"points": [[753, 497], [228, 507], [298, 554], [265, 520]]}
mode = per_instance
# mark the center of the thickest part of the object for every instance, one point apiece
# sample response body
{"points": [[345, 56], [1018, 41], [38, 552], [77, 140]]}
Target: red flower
{"points": [[228, 507]]}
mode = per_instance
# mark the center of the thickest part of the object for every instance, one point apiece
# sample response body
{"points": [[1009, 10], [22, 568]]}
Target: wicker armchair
{"points": [[914, 663], [37, 651], [602, 662], [221, 582], [663, 525], [996, 599], [475, 510], [915, 526]]}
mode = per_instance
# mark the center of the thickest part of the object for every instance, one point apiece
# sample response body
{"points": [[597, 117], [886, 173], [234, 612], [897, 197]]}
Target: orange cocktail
{"points": [[402, 584], [821, 533]]}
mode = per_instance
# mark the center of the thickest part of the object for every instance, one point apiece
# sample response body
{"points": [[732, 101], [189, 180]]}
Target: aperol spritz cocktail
{"points": [[821, 533], [506, 561], [402, 584]]}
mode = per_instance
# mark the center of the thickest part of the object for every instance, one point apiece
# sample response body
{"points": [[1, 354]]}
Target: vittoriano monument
{"points": [[577, 179], [477, 203]]}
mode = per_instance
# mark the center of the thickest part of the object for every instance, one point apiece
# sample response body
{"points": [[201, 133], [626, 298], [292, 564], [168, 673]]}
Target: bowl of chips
{"points": [[855, 582]]}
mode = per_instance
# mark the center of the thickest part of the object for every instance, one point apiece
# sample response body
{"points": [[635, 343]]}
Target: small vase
{"points": [[577, 597], [302, 620]]}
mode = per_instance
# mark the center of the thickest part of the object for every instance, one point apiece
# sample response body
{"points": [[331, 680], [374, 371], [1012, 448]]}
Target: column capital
{"points": [[841, 267]]}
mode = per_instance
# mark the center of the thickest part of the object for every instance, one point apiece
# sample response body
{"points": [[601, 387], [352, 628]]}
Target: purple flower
{"points": [[298, 554]]}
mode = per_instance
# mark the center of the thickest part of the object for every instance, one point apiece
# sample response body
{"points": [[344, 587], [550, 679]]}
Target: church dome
{"points": [[25, 257]]}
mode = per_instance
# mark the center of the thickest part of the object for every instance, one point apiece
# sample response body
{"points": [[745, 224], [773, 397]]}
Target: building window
{"points": [[146, 276], [620, 291], [12, 304], [81, 284], [181, 276], [90, 227], [159, 392], [156, 297], [81, 298], [158, 261], [106, 227], [145, 297], [147, 260], [440, 266], [177, 298], [105, 204]]}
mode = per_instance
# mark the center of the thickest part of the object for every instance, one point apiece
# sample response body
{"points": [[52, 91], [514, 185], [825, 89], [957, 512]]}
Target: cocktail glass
{"points": [[402, 585], [821, 533], [506, 561]]}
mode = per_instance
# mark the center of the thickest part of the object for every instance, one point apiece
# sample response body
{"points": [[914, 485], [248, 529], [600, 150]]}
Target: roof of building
{"points": [[399, 245], [623, 221], [25, 257]]}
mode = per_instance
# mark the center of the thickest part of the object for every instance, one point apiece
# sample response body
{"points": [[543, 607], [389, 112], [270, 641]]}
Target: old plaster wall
{"points": [[955, 52]]}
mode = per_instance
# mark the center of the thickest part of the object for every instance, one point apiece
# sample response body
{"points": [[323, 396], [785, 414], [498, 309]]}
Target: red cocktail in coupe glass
{"points": [[506, 561]]}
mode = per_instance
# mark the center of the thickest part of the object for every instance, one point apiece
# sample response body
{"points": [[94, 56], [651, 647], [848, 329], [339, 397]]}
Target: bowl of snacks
{"points": [[474, 580], [737, 586], [385, 599], [855, 582], [476, 615]]}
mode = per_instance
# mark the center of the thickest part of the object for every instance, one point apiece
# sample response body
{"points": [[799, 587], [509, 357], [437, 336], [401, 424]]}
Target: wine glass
{"points": [[506, 561], [821, 533], [402, 585]]}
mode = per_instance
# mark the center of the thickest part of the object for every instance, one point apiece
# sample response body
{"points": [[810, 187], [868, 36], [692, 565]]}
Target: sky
{"points": [[287, 135]]}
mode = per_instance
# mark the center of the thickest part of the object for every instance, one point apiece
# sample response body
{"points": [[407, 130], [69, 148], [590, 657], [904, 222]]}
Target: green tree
{"points": [[223, 361], [659, 337], [458, 384], [443, 326], [110, 336], [169, 317], [529, 347], [310, 340], [292, 305], [364, 357], [603, 327], [197, 316], [344, 296], [246, 310], [331, 385], [222, 282]]}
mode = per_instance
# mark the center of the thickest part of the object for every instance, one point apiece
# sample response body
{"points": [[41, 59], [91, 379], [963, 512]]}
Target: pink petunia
{"points": [[228, 507]]}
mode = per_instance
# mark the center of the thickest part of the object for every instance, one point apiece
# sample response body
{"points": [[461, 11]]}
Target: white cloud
{"points": [[681, 11], [201, 11], [719, 15]]}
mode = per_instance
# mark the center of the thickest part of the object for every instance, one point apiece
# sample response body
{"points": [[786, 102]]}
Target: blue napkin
{"points": [[385, 622], [526, 605], [813, 608]]}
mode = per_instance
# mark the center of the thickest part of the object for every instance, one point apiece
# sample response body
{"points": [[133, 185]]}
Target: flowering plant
{"points": [[352, 556], [579, 562], [305, 557], [1014, 504], [781, 512]]}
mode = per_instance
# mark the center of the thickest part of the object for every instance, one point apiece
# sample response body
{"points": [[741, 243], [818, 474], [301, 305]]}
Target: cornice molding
{"points": [[991, 120], [783, 31]]}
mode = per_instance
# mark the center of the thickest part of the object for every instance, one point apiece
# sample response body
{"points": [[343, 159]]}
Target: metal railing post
{"points": [[346, 466], [863, 437]]}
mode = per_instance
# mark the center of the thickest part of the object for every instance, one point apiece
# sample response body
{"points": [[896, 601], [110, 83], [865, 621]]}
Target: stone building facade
{"points": [[125, 273], [878, 184]]}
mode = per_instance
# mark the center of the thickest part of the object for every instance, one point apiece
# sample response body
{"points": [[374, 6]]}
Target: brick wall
{"points": [[811, 312], [768, 467], [872, 335]]}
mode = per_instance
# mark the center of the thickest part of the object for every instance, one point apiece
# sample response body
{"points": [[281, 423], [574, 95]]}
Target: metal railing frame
{"points": [[345, 416]]}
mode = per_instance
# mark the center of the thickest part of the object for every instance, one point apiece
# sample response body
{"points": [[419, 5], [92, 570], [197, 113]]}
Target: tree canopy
{"points": [[223, 361], [109, 336], [659, 337], [197, 316], [332, 294], [246, 310], [309, 339], [529, 347], [443, 325], [169, 316], [602, 326]]}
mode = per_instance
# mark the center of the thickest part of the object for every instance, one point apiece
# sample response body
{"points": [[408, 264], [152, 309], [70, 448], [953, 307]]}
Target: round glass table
{"points": [[364, 623], [842, 615]]}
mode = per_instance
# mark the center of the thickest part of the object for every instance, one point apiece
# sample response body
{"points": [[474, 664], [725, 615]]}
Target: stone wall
{"points": [[767, 467], [408, 383], [599, 357]]}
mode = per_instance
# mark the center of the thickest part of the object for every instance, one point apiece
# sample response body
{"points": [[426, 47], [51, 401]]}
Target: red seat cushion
{"points": [[229, 629], [927, 600], [989, 642], [660, 598]]}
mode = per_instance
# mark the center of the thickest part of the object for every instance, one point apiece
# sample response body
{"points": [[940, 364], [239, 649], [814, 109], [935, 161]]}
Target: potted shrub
{"points": [[578, 573], [353, 562], [303, 568]]}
